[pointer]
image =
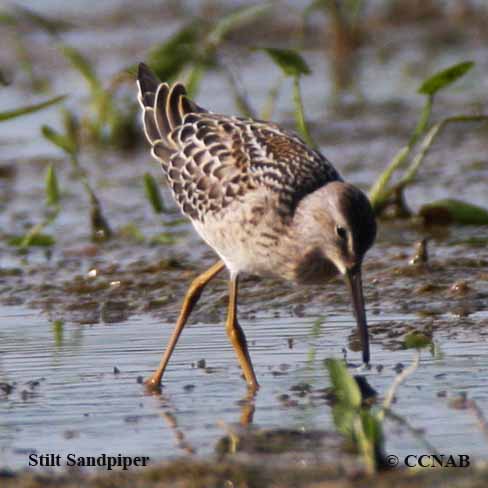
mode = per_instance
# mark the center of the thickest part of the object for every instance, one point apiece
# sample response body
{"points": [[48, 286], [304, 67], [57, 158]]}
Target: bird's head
{"points": [[337, 227]]}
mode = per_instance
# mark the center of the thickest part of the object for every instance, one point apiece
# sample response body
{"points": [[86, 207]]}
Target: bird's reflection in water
{"points": [[229, 444], [248, 406], [246, 414], [180, 439]]}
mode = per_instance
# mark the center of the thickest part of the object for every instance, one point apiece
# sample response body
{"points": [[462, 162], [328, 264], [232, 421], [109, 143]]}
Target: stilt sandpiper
{"points": [[267, 204]]}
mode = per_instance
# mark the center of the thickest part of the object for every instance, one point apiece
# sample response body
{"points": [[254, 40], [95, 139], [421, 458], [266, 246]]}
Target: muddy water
{"points": [[68, 399], [67, 396]]}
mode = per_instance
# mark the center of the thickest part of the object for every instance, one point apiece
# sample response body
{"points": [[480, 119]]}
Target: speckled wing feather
{"points": [[212, 160]]}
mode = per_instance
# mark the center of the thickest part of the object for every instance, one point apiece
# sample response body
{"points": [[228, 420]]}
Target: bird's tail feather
{"points": [[164, 108]]}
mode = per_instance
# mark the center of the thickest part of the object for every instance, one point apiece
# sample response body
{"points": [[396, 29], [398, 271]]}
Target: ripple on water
{"points": [[79, 405]]}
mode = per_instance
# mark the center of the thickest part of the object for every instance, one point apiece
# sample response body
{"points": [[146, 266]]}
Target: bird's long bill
{"points": [[353, 278]]}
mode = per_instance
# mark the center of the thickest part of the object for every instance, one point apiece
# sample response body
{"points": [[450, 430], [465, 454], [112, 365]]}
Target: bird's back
{"points": [[212, 161]]}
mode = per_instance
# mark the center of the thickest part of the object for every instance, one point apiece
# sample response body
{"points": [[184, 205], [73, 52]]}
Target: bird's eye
{"points": [[341, 232]]}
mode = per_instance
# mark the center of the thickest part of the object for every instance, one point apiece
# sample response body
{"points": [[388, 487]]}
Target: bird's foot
{"points": [[153, 384], [252, 387]]}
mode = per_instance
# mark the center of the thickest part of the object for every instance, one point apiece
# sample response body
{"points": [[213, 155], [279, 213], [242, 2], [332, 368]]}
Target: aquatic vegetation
{"points": [[358, 423], [68, 143], [107, 121], [141, 271], [35, 236], [169, 58], [383, 194], [18, 19], [345, 23], [153, 193], [195, 50], [18, 14], [18, 112], [191, 52], [294, 66], [58, 332], [451, 211], [52, 187]]}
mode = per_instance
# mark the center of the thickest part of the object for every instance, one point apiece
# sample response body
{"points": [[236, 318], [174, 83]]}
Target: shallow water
{"points": [[80, 405]]}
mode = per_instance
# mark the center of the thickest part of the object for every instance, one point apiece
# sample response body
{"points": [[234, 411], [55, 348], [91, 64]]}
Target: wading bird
{"points": [[267, 204]]}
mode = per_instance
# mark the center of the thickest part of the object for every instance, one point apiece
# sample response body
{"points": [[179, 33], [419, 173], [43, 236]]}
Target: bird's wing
{"points": [[281, 161], [212, 160]]}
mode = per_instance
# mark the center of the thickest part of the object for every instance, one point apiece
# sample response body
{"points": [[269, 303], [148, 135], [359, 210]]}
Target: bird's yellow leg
{"points": [[191, 298], [247, 408], [237, 337]]}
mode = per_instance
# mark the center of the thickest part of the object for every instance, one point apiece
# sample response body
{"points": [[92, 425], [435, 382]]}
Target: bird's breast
{"points": [[253, 239], [250, 237]]}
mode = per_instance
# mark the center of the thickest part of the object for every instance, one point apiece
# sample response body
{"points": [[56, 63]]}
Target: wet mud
{"points": [[82, 322]]}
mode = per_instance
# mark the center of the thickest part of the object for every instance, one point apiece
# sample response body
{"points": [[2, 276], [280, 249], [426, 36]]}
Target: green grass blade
{"points": [[240, 99], [428, 141], [289, 61], [58, 140], [417, 340], [52, 26], [34, 237], [423, 122], [38, 239], [52, 186], [366, 430], [71, 127], [455, 212], [379, 190], [169, 58], [153, 194], [11, 114], [101, 230], [235, 20], [444, 78], [58, 332], [269, 106], [343, 417], [343, 384], [83, 66], [300, 114], [194, 78]]}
